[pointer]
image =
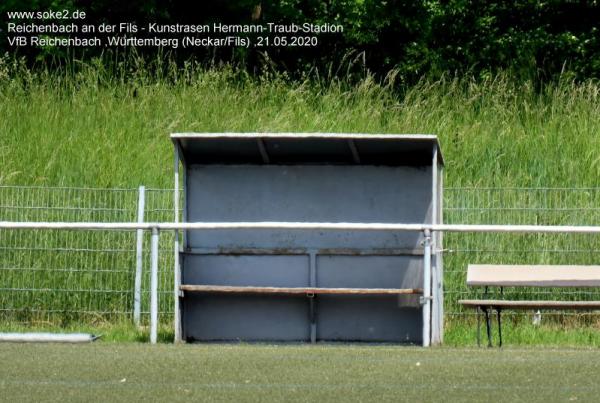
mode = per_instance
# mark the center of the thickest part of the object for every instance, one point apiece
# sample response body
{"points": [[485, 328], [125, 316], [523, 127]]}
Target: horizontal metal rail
{"points": [[344, 226]]}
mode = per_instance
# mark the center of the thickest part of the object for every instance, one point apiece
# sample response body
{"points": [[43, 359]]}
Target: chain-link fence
{"points": [[61, 277], [58, 277], [535, 206]]}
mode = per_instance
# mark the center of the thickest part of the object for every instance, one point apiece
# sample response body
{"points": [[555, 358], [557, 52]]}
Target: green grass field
{"points": [[254, 373]]}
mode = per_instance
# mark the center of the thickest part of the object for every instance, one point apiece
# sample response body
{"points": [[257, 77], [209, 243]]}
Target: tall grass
{"points": [[91, 126]]}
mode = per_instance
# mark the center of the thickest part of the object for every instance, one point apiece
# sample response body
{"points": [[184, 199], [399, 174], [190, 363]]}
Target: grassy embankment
{"points": [[96, 128]]}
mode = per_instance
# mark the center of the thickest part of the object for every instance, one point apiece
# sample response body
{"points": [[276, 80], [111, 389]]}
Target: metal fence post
{"points": [[154, 287], [426, 287], [176, 272], [139, 250]]}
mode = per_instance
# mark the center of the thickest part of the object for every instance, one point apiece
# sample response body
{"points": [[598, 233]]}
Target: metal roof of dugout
{"points": [[286, 148], [282, 284]]}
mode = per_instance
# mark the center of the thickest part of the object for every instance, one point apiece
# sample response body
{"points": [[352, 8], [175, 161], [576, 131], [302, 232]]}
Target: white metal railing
{"points": [[427, 229], [341, 226]]}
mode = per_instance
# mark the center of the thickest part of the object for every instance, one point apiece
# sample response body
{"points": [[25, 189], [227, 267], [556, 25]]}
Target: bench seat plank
{"points": [[297, 290], [531, 304], [533, 275]]}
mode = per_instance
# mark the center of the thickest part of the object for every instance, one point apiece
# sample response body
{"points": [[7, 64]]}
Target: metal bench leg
{"points": [[488, 326], [313, 315], [478, 313], [499, 312]]}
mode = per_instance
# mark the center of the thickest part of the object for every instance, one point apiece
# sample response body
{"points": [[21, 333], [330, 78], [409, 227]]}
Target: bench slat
{"points": [[533, 275], [531, 304], [297, 290]]}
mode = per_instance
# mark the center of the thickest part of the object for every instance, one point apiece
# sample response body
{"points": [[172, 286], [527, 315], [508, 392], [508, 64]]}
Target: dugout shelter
{"points": [[309, 285]]}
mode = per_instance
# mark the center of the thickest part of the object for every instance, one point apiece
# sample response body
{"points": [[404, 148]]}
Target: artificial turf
{"points": [[243, 372]]}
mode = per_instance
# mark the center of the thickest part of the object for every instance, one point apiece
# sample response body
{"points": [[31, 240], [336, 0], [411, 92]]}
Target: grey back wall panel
{"points": [[307, 193], [213, 317], [259, 271], [371, 319], [369, 271]]}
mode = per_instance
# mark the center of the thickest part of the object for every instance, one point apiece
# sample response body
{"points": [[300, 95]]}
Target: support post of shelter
{"points": [[313, 305], [176, 267], [154, 286], [426, 287]]}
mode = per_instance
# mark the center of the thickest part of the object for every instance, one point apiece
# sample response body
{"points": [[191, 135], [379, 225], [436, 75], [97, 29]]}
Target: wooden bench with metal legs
{"points": [[222, 289], [526, 276]]}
